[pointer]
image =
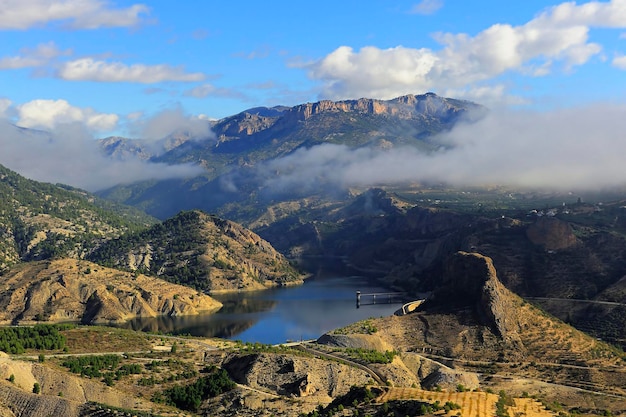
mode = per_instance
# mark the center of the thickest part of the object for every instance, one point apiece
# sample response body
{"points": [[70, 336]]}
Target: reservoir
{"points": [[323, 303]]}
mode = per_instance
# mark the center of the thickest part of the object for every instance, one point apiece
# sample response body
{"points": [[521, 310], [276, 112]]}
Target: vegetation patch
{"points": [[16, 340], [87, 339], [189, 397], [371, 355]]}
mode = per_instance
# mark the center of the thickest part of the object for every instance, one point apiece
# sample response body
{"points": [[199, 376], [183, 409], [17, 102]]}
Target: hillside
{"points": [[80, 291], [200, 251], [41, 221]]}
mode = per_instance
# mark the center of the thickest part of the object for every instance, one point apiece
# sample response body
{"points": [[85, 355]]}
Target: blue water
{"points": [[279, 315]]}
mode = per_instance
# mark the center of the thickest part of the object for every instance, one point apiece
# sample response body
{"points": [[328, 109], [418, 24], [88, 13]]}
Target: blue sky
{"points": [[552, 73], [113, 64]]}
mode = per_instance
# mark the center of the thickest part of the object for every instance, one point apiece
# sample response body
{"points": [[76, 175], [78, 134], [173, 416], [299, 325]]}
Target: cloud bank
{"points": [[570, 149]]}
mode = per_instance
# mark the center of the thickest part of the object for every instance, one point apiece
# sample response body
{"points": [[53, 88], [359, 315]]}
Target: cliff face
{"points": [[71, 290], [470, 279], [405, 107]]}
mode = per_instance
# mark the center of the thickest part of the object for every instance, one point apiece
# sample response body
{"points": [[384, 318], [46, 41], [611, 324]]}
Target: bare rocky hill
{"points": [[81, 291]]}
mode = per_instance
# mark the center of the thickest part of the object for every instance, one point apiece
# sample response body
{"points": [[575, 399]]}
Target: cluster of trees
{"points": [[96, 366], [189, 397], [91, 366], [372, 356], [182, 370], [358, 397], [170, 240], [16, 340], [354, 398]]}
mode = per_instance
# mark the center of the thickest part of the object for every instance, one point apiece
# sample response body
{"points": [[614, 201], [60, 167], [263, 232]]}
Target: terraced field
{"points": [[473, 404]]}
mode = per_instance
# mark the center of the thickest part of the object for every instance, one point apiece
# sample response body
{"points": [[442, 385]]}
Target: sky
{"points": [[93, 68]]}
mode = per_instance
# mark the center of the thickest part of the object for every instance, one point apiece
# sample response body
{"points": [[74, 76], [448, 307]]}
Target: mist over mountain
{"points": [[69, 154]]}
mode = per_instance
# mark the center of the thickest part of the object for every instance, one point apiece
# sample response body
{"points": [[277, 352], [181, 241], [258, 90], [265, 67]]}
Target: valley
{"points": [[524, 290]]}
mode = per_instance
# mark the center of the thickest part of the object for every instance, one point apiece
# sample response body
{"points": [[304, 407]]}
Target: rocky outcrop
{"points": [[71, 290], [293, 375], [551, 233], [470, 280], [244, 124], [450, 379]]}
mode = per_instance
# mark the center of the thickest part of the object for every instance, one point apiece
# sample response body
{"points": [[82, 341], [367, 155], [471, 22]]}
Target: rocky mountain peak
{"points": [[404, 107]]}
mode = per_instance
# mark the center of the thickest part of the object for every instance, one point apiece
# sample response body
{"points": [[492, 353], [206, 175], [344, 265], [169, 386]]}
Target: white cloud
{"points": [[88, 69], [206, 90], [201, 91], [557, 37], [490, 96], [619, 62], [426, 7], [37, 57], [75, 14], [50, 114], [171, 121]]}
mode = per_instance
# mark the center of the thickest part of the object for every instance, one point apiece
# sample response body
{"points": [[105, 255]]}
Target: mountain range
{"points": [[236, 158]]}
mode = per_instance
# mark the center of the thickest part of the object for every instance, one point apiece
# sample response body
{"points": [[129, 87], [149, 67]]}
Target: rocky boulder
{"points": [[551, 233]]}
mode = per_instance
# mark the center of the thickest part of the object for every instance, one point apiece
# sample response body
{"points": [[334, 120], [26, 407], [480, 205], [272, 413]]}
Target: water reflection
{"points": [[323, 303]]}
